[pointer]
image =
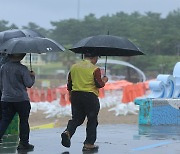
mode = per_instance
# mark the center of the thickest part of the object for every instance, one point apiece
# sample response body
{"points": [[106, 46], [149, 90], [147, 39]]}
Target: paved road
{"points": [[112, 139]]}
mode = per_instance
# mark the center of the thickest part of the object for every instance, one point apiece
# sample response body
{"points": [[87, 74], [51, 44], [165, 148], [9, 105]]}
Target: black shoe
{"points": [[93, 148], [25, 147], [65, 139]]}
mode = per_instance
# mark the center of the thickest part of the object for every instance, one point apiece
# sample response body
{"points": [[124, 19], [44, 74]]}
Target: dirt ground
{"points": [[105, 117]]}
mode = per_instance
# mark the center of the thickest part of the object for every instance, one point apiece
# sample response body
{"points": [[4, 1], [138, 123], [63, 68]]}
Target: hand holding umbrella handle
{"points": [[32, 73], [105, 79], [70, 96]]}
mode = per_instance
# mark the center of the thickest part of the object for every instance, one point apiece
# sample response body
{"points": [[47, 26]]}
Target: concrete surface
{"points": [[112, 139]]}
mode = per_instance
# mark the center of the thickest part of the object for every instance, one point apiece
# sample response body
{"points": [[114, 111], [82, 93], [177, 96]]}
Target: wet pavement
{"points": [[115, 139]]}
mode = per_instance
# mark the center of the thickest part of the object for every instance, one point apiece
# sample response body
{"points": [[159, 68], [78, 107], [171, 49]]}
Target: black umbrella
{"points": [[106, 45], [16, 33], [30, 45]]}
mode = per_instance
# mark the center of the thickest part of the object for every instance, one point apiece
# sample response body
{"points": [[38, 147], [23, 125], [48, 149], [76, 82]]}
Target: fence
{"points": [[130, 92]]}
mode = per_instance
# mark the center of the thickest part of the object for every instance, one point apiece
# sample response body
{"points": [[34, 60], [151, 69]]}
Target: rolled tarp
{"points": [[176, 75], [157, 88], [169, 82]]}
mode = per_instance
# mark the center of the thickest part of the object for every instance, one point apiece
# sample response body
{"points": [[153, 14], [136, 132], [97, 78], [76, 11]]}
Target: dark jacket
{"points": [[14, 79]]}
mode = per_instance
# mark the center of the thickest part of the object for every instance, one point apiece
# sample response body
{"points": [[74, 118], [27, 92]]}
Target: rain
{"points": [[136, 49]]}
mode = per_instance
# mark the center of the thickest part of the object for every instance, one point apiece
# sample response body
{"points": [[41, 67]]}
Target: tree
{"points": [[4, 25], [37, 28]]}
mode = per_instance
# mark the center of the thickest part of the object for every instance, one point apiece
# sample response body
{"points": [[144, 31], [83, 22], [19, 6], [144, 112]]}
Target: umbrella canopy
{"points": [[16, 33], [106, 45], [30, 45]]}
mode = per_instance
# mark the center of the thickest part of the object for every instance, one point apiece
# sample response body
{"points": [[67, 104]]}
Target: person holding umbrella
{"points": [[15, 78], [10, 34], [3, 60], [84, 81]]}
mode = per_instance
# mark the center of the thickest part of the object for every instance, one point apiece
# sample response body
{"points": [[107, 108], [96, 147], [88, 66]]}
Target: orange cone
{"points": [[49, 95], [42, 95], [125, 97], [31, 94], [36, 95], [54, 95], [101, 93], [62, 99]]}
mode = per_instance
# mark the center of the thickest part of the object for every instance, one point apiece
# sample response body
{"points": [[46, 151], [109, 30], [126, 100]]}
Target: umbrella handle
{"points": [[30, 62], [105, 67]]}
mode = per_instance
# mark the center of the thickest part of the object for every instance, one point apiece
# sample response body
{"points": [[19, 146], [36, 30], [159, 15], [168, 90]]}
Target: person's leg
{"points": [[0, 111], [23, 109], [78, 117], [8, 113], [0, 106], [78, 114], [92, 110]]}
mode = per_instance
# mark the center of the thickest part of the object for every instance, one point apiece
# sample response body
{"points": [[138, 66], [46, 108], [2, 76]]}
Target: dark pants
{"points": [[0, 111], [0, 107], [9, 109], [84, 104]]}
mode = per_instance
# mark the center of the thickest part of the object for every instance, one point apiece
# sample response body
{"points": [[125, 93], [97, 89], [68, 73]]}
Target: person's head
{"points": [[17, 56], [92, 57]]}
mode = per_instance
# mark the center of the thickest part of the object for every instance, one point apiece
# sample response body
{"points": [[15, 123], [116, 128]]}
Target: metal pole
{"points": [[105, 66], [30, 63]]}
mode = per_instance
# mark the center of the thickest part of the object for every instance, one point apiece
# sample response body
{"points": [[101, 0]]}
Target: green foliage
{"points": [[4, 25], [158, 38], [37, 28]]}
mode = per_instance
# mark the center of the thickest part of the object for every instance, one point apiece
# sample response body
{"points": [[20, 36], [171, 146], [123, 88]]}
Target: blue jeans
{"points": [[9, 109]]}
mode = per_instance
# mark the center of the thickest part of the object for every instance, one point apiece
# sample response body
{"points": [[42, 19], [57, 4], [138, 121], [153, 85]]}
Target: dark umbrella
{"points": [[106, 45], [30, 45], [16, 33]]}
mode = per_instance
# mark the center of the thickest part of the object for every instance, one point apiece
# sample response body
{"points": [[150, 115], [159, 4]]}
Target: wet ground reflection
{"points": [[9, 144], [159, 132], [111, 139]]}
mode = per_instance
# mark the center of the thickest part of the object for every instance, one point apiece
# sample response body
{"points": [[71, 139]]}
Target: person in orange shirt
{"points": [[84, 81]]}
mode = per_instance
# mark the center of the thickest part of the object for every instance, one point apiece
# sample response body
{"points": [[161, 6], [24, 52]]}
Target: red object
{"points": [[101, 93], [49, 97], [43, 95], [36, 96]]}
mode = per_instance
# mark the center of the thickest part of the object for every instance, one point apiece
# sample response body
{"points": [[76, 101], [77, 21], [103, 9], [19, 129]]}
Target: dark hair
{"points": [[91, 55], [18, 56]]}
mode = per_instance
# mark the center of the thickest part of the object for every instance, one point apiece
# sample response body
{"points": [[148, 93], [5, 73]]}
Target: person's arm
{"points": [[28, 78], [99, 82], [69, 84], [1, 86]]}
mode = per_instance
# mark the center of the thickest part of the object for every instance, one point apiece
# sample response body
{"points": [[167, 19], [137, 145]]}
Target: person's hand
{"points": [[32, 73], [105, 79], [70, 96]]}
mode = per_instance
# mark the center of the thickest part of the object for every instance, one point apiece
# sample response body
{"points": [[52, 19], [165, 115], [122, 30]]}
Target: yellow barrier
{"points": [[45, 126]]}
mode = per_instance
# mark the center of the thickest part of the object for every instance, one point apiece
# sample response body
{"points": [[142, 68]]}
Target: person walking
{"points": [[84, 81], [3, 59], [14, 79]]}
